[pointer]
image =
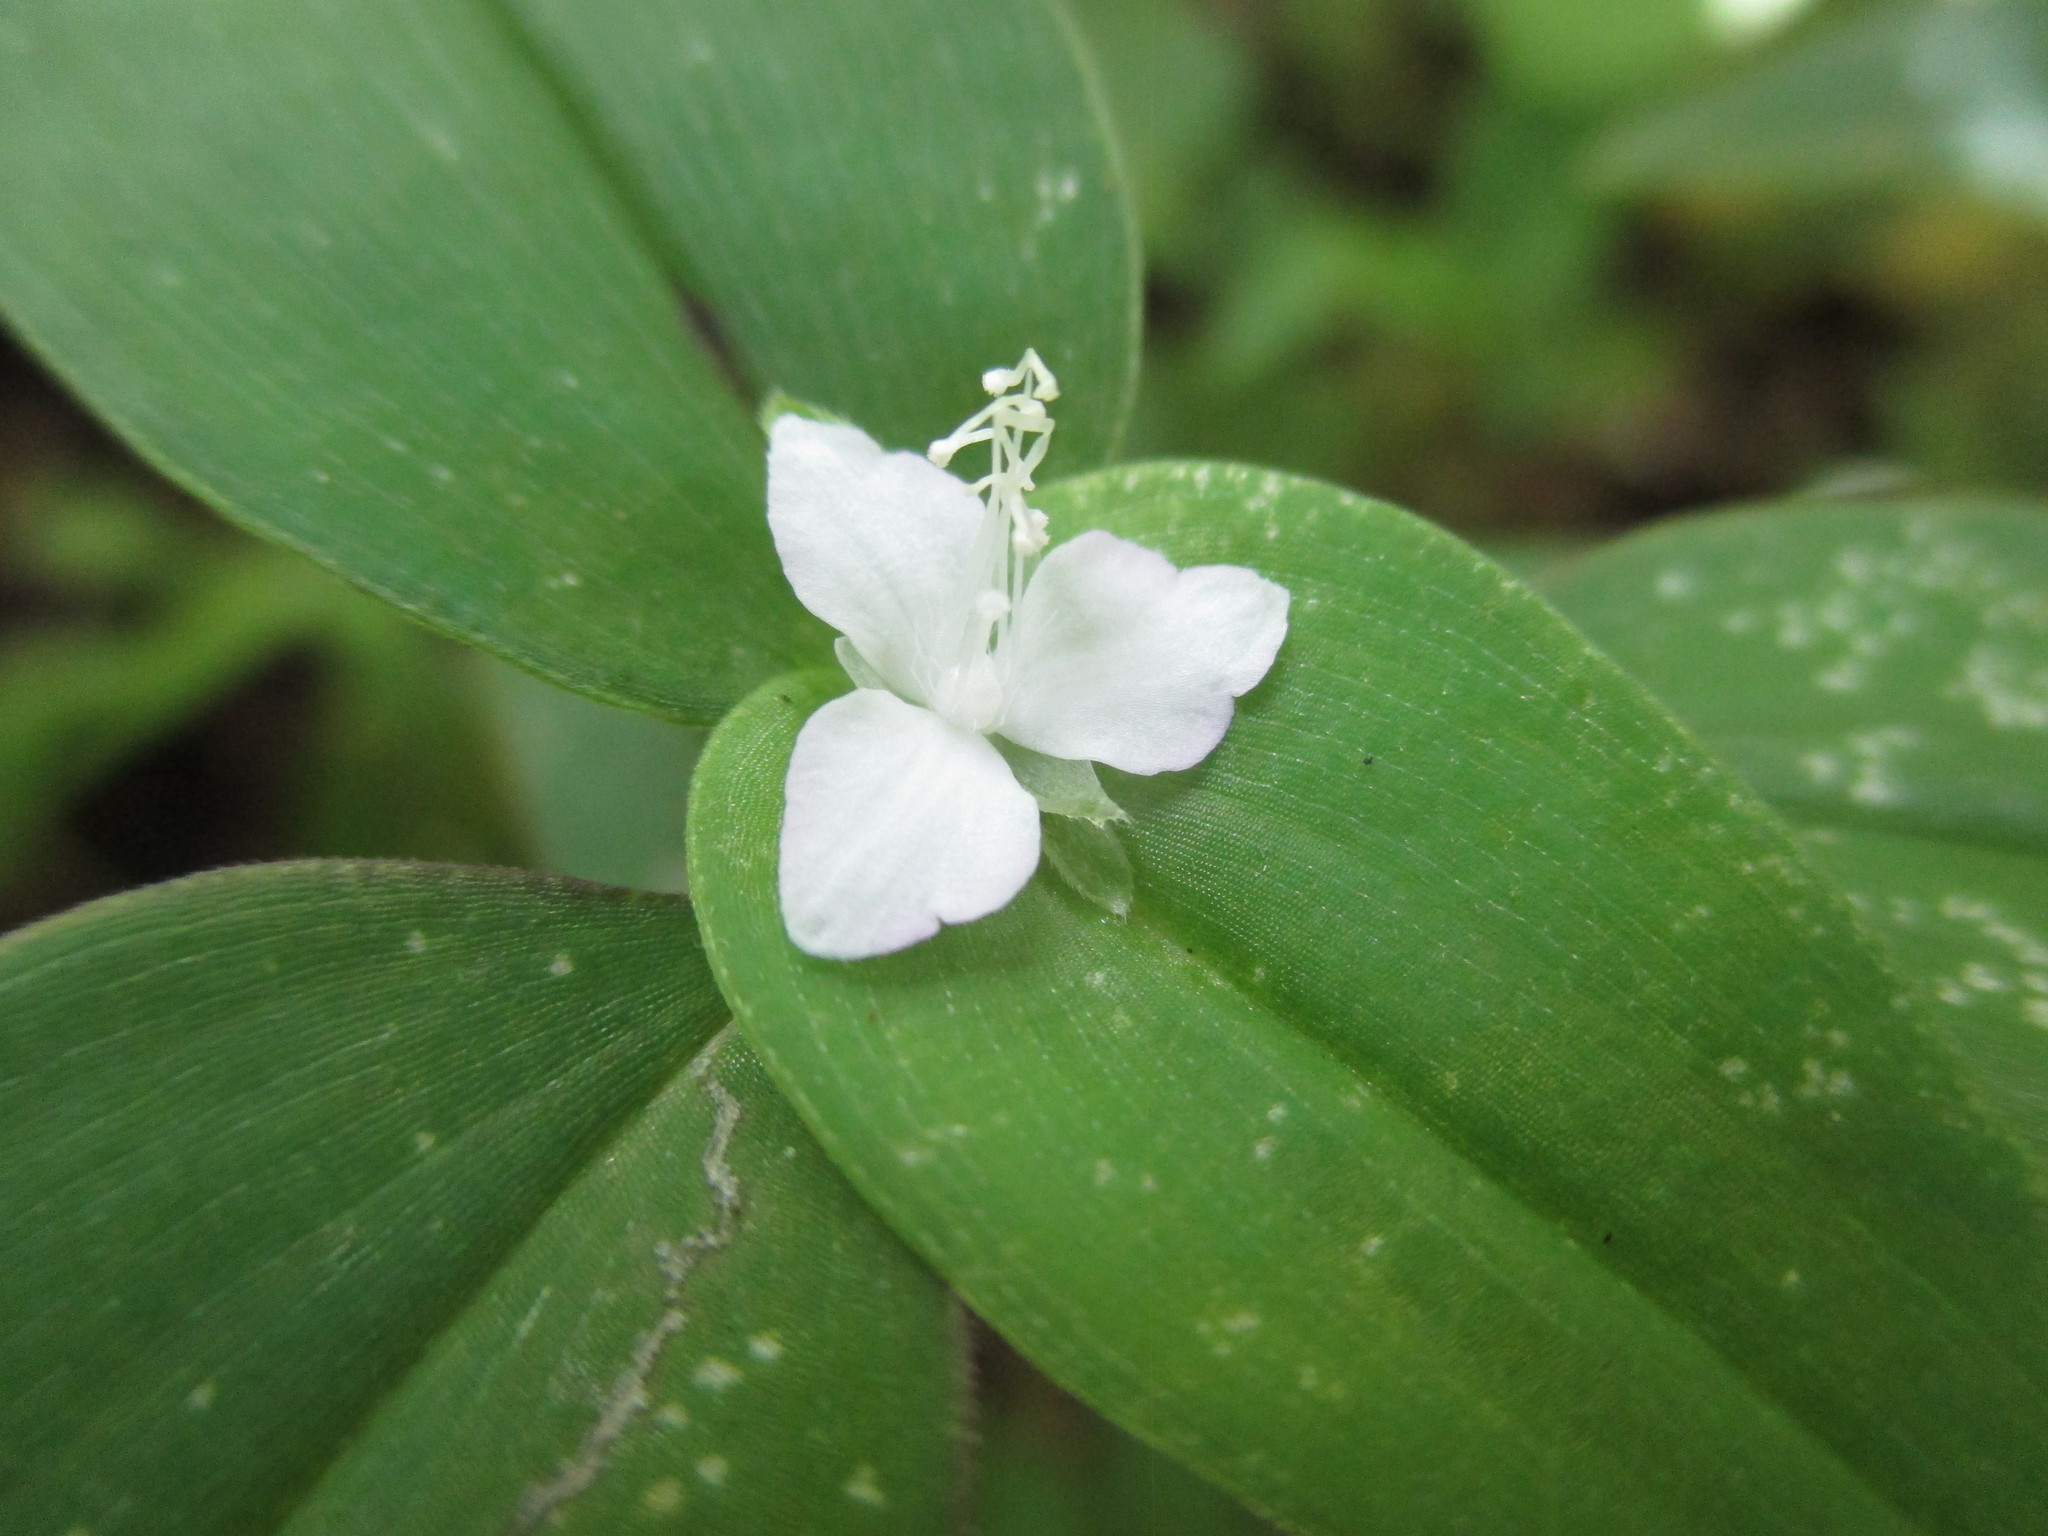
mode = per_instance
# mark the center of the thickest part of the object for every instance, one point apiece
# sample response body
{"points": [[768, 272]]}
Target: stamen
{"points": [[1018, 429]]}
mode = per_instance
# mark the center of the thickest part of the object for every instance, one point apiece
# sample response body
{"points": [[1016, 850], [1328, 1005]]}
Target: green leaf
{"points": [[1882, 671], [367, 283], [358, 283], [263, 1132], [1877, 664], [1970, 927], [1464, 1177], [877, 200], [750, 1351]]}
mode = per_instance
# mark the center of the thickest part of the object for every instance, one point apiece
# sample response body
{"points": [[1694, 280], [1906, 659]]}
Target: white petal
{"points": [[894, 823], [876, 544], [1118, 657]]}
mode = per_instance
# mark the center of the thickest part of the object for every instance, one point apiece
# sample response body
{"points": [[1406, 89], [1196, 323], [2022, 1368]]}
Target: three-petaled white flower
{"points": [[900, 814]]}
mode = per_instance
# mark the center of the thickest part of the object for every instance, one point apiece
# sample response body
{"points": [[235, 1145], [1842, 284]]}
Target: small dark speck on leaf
{"points": [[1368, 760], [1607, 1237], [782, 698]]}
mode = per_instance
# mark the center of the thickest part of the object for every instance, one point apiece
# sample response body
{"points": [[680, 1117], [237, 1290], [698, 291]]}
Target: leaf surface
{"points": [[707, 1332], [1428, 1148], [377, 284], [877, 200], [263, 1131], [1881, 672], [1879, 664]]}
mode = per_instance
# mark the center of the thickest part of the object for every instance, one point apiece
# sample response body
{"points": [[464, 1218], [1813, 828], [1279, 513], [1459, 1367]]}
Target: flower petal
{"points": [[895, 822], [1117, 657], [876, 544]]}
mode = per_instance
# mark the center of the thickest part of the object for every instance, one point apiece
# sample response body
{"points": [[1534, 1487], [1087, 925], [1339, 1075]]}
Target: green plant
{"points": [[1491, 1113]]}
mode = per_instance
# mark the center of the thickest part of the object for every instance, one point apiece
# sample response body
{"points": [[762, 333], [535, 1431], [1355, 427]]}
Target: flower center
{"points": [[1018, 429]]}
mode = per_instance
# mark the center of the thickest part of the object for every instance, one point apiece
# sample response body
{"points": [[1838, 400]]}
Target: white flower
{"points": [[900, 814]]}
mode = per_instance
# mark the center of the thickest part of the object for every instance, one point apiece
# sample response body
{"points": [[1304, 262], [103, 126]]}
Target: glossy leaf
{"points": [[263, 1132], [707, 1332], [1466, 1174], [1883, 664], [877, 200]]}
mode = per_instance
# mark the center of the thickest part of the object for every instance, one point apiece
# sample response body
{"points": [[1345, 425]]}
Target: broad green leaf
{"points": [[877, 200], [264, 1132], [602, 789], [1429, 1147], [1882, 671], [1912, 96], [1970, 927], [376, 285], [707, 1332], [358, 282], [1883, 664]]}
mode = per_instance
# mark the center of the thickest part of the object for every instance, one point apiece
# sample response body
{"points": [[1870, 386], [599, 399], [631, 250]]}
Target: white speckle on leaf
{"points": [[1277, 1113], [1677, 584], [416, 943], [716, 1375], [765, 1346], [561, 965], [714, 1470], [672, 1416], [201, 1397], [2012, 693], [1734, 1069], [664, 1496], [423, 1141], [1371, 1247], [1105, 1171], [1262, 1149], [862, 1487]]}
